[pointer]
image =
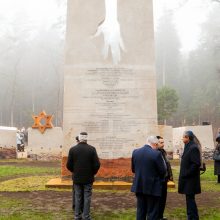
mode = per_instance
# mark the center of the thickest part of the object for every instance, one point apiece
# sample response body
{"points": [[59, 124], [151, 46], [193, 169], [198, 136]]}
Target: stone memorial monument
{"points": [[109, 76]]}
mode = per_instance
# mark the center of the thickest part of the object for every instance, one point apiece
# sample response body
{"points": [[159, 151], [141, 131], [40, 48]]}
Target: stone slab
{"points": [[7, 137], [204, 134], [115, 185], [167, 133], [8, 142], [21, 155], [115, 102], [46, 146]]}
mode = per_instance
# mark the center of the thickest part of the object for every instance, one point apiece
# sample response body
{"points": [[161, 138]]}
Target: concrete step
{"points": [[21, 155]]}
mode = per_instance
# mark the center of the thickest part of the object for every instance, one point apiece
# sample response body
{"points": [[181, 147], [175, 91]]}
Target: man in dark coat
{"points": [[84, 163], [189, 177], [168, 177], [149, 169]]}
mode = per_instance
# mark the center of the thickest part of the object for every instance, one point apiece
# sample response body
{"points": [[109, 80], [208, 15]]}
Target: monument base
{"points": [[67, 184], [21, 155], [114, 185], [110, 170]]}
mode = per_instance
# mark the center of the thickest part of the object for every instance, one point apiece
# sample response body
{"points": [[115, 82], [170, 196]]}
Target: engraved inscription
{"points": [[109, 108]]}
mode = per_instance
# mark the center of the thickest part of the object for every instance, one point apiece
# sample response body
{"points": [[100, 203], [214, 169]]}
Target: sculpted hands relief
{"points": [[110, 28]]}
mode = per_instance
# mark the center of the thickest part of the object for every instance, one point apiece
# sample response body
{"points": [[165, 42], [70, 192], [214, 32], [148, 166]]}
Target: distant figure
{"points": [[20, 145], [149, 169], [168, 177], [25, 136], [189, 177], [84, 163], [216, 160]]}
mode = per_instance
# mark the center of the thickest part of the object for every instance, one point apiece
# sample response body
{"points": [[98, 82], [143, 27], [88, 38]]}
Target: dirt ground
{"points": [[53, 200]]}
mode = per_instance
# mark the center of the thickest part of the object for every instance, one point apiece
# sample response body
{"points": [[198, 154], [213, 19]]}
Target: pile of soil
{"points": [[111, 169], [7, 153]]}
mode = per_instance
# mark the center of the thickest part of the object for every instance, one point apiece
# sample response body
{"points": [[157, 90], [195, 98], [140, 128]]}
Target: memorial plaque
{"points": [[109, 75]]}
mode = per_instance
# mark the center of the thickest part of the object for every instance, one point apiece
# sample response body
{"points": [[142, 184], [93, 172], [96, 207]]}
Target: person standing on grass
{"points": [[84, 163], [216, 160], [189, 177], [149, 169], [168, 177]]}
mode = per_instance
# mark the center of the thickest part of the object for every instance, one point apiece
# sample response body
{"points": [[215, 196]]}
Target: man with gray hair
{"points": [[149, 169], [84, 163]]}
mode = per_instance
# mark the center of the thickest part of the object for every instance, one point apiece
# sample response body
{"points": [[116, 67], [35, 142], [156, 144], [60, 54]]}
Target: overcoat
{"points": [[149, 169], [189, 178], [83, 162]]}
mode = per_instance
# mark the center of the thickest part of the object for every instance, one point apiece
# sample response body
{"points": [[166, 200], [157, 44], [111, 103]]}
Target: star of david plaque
{"points": [[42, 121]]}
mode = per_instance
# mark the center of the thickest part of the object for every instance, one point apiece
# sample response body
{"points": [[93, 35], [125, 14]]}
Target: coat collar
{"points": [[187, 147], [148, 146]]}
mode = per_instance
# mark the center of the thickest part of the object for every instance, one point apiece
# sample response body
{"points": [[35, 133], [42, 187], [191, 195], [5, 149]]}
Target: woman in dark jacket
{"points": [[217, 162], [189, 178]]}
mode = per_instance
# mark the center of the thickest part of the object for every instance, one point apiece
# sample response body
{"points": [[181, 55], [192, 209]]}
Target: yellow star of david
{"points": [[42, 121]]}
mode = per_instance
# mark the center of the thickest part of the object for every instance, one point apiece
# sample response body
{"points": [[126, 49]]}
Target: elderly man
{"points": [[84, 163], [149, 169]]}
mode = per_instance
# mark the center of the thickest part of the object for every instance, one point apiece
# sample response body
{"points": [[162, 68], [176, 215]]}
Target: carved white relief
{"points": [[110, 28]]}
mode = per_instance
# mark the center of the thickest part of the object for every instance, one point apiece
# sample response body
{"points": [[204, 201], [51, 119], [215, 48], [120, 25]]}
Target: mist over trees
{"points": [[167, 103], [32, 53], [194, 74]]}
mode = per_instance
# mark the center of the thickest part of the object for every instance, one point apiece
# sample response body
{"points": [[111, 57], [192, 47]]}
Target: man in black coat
{"points": [[149, 169], [168, 177], [189, 177], [84, 163]]}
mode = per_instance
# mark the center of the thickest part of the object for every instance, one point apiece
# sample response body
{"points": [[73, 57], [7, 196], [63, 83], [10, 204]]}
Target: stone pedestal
{"points": [[109, 77], [46, 146], [7, 137], [8, 142], [203, 133], [21, 155]]}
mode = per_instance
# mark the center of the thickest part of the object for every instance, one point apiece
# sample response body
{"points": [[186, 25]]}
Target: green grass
{"points": [[208, 179], [207, 176], [12, 170], [204, 213], [115, 215], [37, 215], [32, 183], [26, 178], [174, 214], [12, 209]]}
